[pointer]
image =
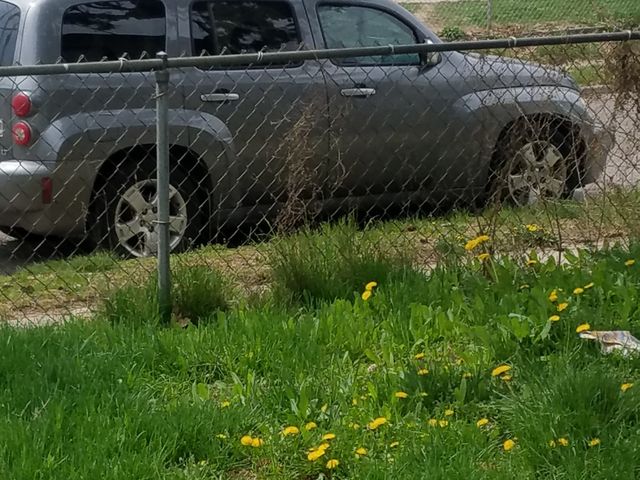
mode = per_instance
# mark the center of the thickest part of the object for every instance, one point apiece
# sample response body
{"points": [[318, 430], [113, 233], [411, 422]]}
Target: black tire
{"points": [[128, 173], [535, 131]]}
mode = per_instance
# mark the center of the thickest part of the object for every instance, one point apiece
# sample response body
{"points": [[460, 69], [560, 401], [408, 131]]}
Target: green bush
{"points": [[453, 34], [335, 262], [133, 305], [199, 292]]}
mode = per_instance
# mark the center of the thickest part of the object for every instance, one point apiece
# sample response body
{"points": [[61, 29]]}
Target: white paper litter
{"points": [[611, 341]]}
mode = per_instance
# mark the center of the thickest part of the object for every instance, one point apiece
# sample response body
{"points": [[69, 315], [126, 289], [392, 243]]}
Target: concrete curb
{"points": [[596, 89]]}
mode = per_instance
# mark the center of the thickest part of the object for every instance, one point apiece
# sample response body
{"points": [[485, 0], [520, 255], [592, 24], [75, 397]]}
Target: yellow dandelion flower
{"points": [[476, 242], [333, 463], [585, 327], [482, 422], [500, 370], [448, 413], [423, 371], [328, 436], [630, 263], [370, 286], [433, 422], [419, 356], [531, 262], [588, 286], [578, 291], [553, 296], [563, 442], [552, 443], [401, 395], [443, 423], [315, 455], [532, 227], [291, 430], [508, 445], [554, 318], [257, 442], [310, 426], [366, 295], [394, 444], [225, 404], [246, 440], [484, 256], [361, 451], [378, 422], [625, 386], [323, 446], [562, 307], [594, 442]]}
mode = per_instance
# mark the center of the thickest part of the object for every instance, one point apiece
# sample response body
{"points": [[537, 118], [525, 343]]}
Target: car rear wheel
{"points": [[536, 162], [126, 213]]}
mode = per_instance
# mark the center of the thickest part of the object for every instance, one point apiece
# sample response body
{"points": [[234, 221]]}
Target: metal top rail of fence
{"points": [[165, 62], [145, 166]]}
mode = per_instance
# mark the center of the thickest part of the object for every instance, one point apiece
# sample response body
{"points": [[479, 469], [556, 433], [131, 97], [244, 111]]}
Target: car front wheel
{"points": [[536, 162]]}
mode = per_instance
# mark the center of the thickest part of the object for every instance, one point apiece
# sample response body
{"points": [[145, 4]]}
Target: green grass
{"points": [[87, 280], [473, 13], [131, 399]]}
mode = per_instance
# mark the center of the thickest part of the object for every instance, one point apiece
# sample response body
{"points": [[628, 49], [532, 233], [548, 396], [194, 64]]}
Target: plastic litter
{"points": [[611, 341]]}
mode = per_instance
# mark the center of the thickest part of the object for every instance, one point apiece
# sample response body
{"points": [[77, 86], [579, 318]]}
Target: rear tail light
{"points": [[21, 104], [21, 133]]}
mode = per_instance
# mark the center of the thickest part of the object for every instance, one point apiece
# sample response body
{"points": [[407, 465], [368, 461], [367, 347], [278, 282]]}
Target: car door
{"points": [[388, 113], [275, 114]]}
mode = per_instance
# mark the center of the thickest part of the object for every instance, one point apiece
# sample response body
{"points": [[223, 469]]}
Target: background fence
{"points": [[423, 148], [457, 19]]}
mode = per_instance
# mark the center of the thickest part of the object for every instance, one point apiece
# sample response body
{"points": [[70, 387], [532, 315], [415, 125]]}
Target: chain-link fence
{"points": [[532, 143], [459, 19]]}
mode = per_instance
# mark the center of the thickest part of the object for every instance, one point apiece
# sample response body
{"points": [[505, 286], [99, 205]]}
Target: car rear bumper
{"points": [[21, 188], [22, 201]]}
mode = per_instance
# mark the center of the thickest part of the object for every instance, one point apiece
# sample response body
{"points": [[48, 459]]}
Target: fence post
{"points": [[162, 153], [489, 15]]}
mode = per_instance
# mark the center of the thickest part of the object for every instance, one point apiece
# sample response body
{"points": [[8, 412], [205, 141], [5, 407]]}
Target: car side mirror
{"points": [[430, 59]]}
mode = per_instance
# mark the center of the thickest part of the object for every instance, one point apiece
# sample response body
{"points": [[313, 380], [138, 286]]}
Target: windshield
{"points": [[9, 21]]}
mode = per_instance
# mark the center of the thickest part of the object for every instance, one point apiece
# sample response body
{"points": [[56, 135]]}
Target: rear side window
{"points": [[109, 30], [232, 27], [9, 23]]}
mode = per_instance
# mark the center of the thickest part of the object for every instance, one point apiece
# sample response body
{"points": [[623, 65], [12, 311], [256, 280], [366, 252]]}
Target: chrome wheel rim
{"points": [[136, 219], [538, 172]]}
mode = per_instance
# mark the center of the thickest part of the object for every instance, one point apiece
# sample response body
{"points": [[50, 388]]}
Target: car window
{"points": [[357, 26], [108, 30], [232, 27], [9, 21]]}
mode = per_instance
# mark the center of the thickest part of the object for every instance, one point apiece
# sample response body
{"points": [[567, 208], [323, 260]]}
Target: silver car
{"points": [[77, 153]]}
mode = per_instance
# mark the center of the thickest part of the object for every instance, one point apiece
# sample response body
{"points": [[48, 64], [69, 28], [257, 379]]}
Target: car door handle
{"points": [[358, 92], [219, 97]]}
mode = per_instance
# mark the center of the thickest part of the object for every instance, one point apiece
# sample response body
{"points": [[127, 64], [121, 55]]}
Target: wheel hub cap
{"points": [[538, 171], [136, 219]]}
